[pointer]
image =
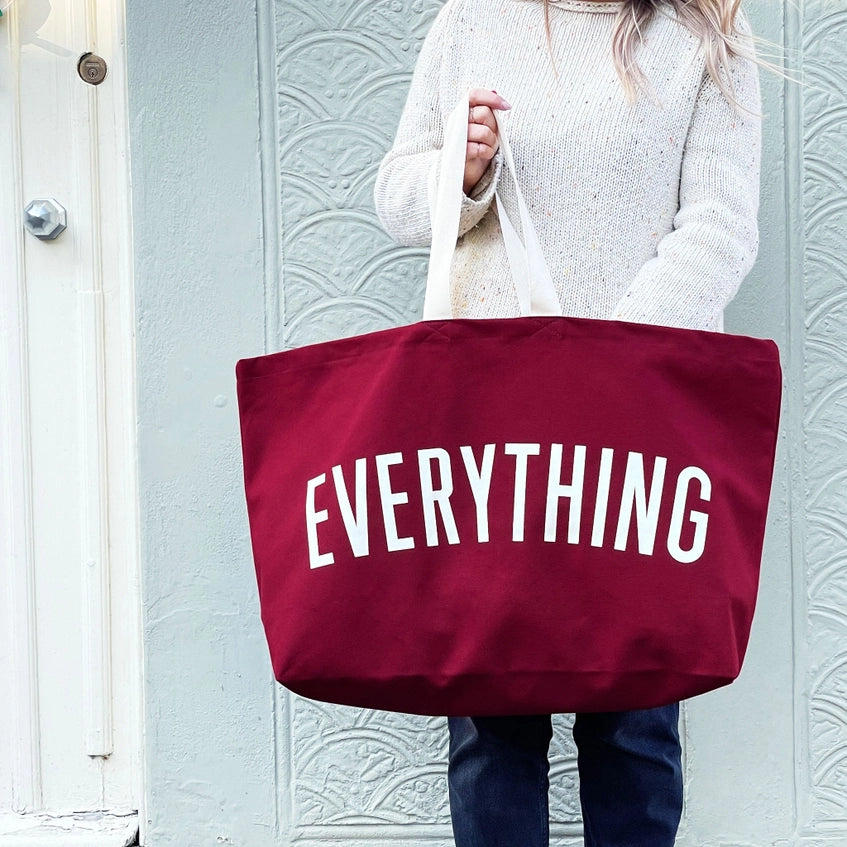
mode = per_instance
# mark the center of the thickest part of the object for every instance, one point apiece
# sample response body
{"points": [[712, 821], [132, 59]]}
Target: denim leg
{"points": [[630, 775], [498, 781]]}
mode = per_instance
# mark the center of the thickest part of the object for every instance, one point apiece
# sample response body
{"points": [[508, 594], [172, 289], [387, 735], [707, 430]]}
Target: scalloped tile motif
{"points": [[342, 72], [825, 423]]}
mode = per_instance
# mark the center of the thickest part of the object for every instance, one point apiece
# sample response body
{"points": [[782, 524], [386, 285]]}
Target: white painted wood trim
{"points": [[114, 230], [16, 542], [94, 472], [82, 830]]}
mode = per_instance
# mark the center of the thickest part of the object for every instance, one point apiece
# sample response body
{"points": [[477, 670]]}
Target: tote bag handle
{"points": [[530, 274]]}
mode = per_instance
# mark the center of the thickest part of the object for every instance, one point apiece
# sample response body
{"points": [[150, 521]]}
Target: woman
{"points": [[636, 137]]}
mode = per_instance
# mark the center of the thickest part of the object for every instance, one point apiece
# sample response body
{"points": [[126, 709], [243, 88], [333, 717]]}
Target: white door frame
{"points": [[86, 157]]}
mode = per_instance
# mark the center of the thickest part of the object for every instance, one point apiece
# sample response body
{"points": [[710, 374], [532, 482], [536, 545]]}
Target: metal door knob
{"points": [[45, 218]]}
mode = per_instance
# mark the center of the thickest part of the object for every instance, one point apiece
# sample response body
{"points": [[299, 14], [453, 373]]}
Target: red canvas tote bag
{"points": [[515, 516]]}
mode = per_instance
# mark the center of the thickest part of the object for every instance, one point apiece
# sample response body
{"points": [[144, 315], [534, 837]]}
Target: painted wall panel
{"points": [[740, 788], [200, 306]]}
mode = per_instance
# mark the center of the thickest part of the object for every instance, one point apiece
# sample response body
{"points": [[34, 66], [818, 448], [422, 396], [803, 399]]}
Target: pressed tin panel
{"points": [[356, 766], [824, 193], [343, 70]]}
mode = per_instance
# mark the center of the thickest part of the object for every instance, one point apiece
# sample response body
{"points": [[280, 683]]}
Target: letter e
{"points": [[391, 499], [313, 518]]}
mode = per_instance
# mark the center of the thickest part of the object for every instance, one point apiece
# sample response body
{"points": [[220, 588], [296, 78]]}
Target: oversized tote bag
{"points": [[527, 515]]}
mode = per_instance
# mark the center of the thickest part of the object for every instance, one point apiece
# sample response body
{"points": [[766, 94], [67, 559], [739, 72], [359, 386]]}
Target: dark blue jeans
{"points": [[630, 779]]}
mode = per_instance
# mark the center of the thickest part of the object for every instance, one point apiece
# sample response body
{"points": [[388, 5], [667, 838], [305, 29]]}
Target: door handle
{"points": [[45, 218]]}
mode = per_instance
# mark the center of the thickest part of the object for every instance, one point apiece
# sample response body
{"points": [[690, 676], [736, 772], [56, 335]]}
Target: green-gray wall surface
{"points": [[256, 131]]}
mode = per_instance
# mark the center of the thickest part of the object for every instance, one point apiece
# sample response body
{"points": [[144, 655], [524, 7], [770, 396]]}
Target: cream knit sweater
{"points": [[645, 212]]}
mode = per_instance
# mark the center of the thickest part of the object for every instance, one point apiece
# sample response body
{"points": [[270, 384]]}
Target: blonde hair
{"points": [[712, 21]]}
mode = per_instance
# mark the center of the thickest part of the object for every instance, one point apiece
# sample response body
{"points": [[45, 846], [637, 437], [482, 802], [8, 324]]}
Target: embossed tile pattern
{"points": [[825, 424], [343, 69]]}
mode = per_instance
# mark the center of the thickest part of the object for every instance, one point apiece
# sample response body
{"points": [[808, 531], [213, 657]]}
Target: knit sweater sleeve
{"points": [[408, 171], [700, 264]]}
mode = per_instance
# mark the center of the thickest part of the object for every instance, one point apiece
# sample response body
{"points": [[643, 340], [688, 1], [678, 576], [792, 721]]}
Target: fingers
{"points": [[482, 134], [482, 104], [479, 152], [482, 142], [484, 97], [482, 116]]}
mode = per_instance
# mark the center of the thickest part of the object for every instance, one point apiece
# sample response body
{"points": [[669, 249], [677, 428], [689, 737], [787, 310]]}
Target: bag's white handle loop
{"points": [[531, 276]]}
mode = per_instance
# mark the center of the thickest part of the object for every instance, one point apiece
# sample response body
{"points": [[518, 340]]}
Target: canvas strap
{"points": [[530, 274]]}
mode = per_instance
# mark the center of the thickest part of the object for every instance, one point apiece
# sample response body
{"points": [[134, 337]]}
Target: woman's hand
{"points": [[483, 140]]}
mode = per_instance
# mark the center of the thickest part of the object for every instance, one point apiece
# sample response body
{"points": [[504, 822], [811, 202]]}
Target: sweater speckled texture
{"points": [[645, 212]]}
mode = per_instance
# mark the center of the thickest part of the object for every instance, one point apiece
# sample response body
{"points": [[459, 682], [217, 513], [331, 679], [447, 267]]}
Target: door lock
{"points": [[91, 68]]}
